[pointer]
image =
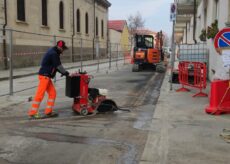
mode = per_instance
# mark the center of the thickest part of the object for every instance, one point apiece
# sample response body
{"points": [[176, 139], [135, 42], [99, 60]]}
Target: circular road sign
{"points": [[222, 38], [173, 8]]}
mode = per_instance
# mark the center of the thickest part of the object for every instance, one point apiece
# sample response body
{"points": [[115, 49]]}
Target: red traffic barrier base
{"points": [[182, 89], [200, 94], [219, 98]]}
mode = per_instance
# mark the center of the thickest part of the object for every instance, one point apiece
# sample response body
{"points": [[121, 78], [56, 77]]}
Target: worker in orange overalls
{"points": [[50, 64]]}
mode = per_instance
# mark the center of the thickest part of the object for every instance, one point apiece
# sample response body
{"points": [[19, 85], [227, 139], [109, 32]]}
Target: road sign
{"points": [[222, 38], [173, 12], [226, 58]]}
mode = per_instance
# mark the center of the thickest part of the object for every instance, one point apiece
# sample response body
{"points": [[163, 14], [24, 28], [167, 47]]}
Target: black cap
{"points": [[61, 44]]}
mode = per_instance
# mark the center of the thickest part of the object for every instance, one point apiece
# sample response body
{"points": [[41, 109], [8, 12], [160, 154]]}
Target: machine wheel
{"points": [[143, 67], [135, 68], [154, 67], [84, 112]]}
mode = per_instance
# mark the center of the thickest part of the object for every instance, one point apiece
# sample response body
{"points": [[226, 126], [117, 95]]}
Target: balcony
{"points": [[185, 11], [185, 7]]}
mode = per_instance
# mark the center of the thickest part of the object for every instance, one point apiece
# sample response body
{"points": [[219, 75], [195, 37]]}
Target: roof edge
{"points": [[104, 3]]}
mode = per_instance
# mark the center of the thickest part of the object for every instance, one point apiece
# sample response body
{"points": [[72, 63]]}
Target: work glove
{"points": [[65, 74]]}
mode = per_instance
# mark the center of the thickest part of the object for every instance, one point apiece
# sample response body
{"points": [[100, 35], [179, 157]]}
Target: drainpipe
{"points": [[73, 34], [194, 22], [4, 37], [186, 31], [94, 34], [108, 37]]}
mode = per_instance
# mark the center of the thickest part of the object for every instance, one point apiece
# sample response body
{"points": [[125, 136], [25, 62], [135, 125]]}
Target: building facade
{"points": [[119, 33], [38, 24], [193, 16]]}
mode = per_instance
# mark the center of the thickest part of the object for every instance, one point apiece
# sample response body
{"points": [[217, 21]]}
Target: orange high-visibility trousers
{"points": [[45, 85]]}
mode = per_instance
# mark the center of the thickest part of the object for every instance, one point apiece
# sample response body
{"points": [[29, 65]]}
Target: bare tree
{"points": [[135, 21]]}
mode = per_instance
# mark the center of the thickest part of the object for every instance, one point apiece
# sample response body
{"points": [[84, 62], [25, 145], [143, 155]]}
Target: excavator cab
{"points": [[144, 41], [144, 52]]}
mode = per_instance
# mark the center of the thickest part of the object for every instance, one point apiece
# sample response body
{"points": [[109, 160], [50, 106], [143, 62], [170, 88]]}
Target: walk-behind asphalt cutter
{"points": [[148, 52], [87, 100]]}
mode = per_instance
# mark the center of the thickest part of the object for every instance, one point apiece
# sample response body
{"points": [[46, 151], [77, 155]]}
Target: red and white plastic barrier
{"points": [[219, 98], [198, 72]]}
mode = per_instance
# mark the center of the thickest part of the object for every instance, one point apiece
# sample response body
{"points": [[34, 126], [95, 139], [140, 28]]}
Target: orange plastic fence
{"points": [[193, 74]]}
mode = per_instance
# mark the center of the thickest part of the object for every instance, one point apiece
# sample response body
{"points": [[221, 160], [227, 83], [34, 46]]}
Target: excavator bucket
{"points": [[107, 105]]}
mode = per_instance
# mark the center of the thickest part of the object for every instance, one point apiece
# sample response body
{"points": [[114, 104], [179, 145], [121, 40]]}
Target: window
{"points": [[21, 10], [102, 28], [44, 12], [144, 41], [61, 15], [96, 26], [78, 21], [86, 23]]}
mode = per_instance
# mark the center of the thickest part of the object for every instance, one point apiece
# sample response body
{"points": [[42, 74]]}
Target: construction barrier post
{"points": [[183, 77]]}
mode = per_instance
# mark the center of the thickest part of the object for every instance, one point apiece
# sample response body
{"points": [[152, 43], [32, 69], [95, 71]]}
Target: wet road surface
{"points": [[117, 137]]}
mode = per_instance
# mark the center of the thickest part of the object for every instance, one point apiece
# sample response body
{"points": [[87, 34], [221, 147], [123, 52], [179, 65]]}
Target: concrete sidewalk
{"points": [[183, 133]]}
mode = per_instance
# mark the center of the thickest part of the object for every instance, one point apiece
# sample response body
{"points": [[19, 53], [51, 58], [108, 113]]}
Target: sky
{"points": [[156, 13]]}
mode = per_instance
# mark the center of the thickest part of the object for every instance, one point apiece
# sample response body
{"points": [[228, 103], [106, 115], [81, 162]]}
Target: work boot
{"points": [[35, 116], [48, 111], [32, 112]]}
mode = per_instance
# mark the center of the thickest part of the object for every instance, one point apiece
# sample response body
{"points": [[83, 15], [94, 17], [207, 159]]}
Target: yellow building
{"points": [[119, 33]]}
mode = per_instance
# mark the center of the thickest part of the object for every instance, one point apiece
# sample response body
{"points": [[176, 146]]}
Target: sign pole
{"points": [[173, 19], [172, 56]]}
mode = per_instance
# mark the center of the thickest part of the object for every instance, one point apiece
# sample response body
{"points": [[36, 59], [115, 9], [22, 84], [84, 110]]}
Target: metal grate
{"points": [[193, 52]]}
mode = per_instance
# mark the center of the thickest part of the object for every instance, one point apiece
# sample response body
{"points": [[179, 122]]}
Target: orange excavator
{"points": [[147, 52]]}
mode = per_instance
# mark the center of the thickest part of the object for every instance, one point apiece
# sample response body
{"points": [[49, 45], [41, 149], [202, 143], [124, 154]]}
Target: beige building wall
{"points": [[115, 42], [27, 42], [115, 36], [34, 18], [121, 38], [1, 12], [84, 7], [87, 6]]}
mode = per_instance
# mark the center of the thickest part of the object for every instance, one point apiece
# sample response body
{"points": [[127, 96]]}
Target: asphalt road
{"points": [[109, 138]]}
